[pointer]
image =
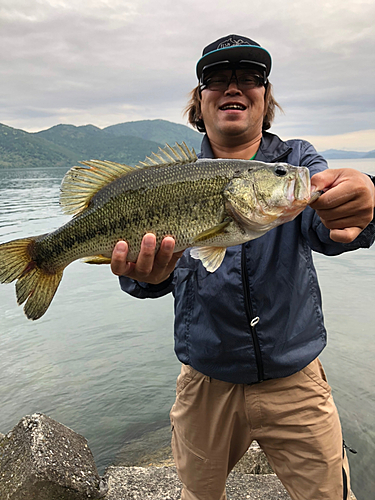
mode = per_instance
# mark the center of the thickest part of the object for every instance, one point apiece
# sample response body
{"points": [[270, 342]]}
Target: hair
{"points": [[193, 109]]}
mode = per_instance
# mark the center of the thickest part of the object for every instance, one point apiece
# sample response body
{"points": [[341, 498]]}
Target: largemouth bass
{"points": [[202, 203]]}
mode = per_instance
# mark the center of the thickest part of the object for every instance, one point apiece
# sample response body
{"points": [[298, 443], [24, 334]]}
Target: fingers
{"points": [[145, 259], [149, 268], [347, 205], [345, 235], [119, 265]]}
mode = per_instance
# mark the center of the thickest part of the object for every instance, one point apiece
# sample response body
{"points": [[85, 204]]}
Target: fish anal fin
{"points": [[96, 259], [211, 257]]}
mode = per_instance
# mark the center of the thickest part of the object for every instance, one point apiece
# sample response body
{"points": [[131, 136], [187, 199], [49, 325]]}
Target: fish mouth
{"points": [[299, 188]]}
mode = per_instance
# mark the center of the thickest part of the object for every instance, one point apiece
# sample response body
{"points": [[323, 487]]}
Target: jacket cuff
{"points": [[146, 290]]}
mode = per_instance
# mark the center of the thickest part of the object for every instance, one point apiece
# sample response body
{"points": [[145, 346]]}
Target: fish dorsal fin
{"points": [[81, 183], [180, 153]]}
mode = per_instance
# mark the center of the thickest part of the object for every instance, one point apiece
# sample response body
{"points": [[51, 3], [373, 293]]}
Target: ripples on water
{"points": [[102, 362]]}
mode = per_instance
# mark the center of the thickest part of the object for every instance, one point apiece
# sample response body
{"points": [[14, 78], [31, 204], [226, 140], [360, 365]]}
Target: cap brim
{"points": [[234, 55]]}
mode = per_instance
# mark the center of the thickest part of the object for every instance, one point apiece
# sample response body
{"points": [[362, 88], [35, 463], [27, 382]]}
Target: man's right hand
{"points": [[149, 268]]}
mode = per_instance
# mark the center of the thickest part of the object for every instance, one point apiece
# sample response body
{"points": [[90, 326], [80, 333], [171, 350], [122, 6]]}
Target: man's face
{"points": [[235, 114]]}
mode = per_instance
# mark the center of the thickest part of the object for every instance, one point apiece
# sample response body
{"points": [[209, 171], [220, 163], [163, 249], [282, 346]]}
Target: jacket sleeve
{"points": [[146, 290], [313, 230]]}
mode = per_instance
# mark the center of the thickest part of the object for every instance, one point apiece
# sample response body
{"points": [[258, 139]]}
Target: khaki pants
{"points": [[294, 420]]}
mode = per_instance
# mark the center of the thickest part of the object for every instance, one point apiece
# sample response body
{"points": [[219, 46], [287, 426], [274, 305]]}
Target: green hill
{"points": [[130, 142], [161, 131], [89, 142], [21, 149], [66, 145]]}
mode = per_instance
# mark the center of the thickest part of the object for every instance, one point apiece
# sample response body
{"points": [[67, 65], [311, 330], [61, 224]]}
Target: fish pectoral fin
{"points": [[212, 232], [211, 257], [96, 259]]}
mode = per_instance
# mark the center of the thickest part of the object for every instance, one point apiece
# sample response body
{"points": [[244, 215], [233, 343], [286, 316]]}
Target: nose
{"points": [[233, 86]]}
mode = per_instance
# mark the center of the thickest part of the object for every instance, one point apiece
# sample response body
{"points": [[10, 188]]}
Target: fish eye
{"points": [[280, 171]]}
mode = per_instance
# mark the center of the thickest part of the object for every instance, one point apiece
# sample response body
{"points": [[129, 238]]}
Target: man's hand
{"points": [[347, 205], [149, 268]]}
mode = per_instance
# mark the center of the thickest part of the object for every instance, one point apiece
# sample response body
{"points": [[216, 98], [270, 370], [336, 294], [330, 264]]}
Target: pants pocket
{"points": [[315, 372]]}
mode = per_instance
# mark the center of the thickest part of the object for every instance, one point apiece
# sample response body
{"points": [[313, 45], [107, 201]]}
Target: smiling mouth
{"points": [[239, 107]]}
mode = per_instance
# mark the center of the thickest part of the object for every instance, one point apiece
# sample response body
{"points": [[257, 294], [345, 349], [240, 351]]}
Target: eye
{"points": [[280, 171]]}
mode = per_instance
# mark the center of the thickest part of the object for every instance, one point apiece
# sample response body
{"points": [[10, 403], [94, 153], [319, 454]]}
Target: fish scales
{"points": [[205, 204], [177, 201]]}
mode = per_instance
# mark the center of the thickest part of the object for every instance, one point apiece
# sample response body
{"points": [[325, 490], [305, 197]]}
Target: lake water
{"points": [[103, 364]]}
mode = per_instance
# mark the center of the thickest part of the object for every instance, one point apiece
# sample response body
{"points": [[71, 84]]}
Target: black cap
{"points": [[234, 49]]}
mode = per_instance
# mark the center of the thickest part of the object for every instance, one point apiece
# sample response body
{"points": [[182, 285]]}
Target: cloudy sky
{"points": [[110, 61]]}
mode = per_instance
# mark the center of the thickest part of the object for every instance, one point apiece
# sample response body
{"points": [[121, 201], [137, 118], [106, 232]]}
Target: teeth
{"points": [[233, 106]]}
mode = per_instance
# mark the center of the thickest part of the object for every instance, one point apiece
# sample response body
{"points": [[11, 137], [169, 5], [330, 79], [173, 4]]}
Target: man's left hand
{"points": [[347, 205]]}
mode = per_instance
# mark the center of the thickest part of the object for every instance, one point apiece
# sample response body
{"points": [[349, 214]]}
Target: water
{"points": [[103, 364]]}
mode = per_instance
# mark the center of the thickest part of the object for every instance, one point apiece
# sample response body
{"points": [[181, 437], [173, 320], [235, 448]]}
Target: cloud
{"points": [[109, 61]]}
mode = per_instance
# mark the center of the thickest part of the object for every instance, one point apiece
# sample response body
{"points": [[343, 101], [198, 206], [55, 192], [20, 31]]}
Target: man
{"points": [[249, 334]]}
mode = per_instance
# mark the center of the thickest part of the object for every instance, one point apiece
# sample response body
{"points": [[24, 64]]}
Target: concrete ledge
{"points": [[162, 483]]}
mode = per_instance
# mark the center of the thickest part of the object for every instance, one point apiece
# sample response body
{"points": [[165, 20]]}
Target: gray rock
{"points": [[41, 459], [254, 461], [162, 483]]}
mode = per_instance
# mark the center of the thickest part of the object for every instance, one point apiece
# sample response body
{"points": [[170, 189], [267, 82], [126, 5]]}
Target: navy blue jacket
{"points": [[259, 316]]}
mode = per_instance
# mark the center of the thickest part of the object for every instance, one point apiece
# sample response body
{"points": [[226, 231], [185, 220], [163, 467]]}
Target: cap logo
{"points": [[230, 42]]}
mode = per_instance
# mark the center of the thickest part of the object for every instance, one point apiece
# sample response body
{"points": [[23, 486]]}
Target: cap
{"points": [[234, 49]]}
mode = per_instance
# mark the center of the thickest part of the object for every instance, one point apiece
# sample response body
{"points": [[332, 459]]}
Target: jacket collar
{"points": [[271, 148]]}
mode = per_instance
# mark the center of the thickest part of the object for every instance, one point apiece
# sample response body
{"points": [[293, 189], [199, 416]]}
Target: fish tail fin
{"points": [[34, 285]]}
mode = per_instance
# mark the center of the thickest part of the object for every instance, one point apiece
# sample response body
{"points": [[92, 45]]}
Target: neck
{"points": [[241, 151]]}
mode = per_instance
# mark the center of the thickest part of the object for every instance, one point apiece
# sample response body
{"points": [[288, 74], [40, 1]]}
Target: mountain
{"points": [[337, 154], [130, 142], [89, 142], [161, 131], [65, 145], [21, 149]]}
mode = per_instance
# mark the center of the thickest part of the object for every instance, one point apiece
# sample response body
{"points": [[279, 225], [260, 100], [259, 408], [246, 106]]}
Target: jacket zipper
{"points": [[248, 306], [250, 315]]}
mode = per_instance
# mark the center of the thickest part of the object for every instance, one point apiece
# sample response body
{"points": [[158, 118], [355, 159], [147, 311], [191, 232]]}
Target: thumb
{"points": [[325, 179]]}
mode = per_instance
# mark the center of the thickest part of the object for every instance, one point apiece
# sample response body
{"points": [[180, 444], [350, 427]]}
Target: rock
{"points": [[162, 483], [254, 461], [41, 459]]}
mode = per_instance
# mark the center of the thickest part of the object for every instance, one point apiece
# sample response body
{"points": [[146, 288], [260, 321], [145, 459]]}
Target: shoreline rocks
{"points": [[41, 459]]}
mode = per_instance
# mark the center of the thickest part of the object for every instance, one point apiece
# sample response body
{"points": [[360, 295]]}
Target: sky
{"points": [[104, 62]]}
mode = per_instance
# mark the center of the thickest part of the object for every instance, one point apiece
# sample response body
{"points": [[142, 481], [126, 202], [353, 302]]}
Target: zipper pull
{"points": [[254, 321]]}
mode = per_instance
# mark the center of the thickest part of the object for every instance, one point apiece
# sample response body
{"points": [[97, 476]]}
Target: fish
{"points": [[204, 204]]}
